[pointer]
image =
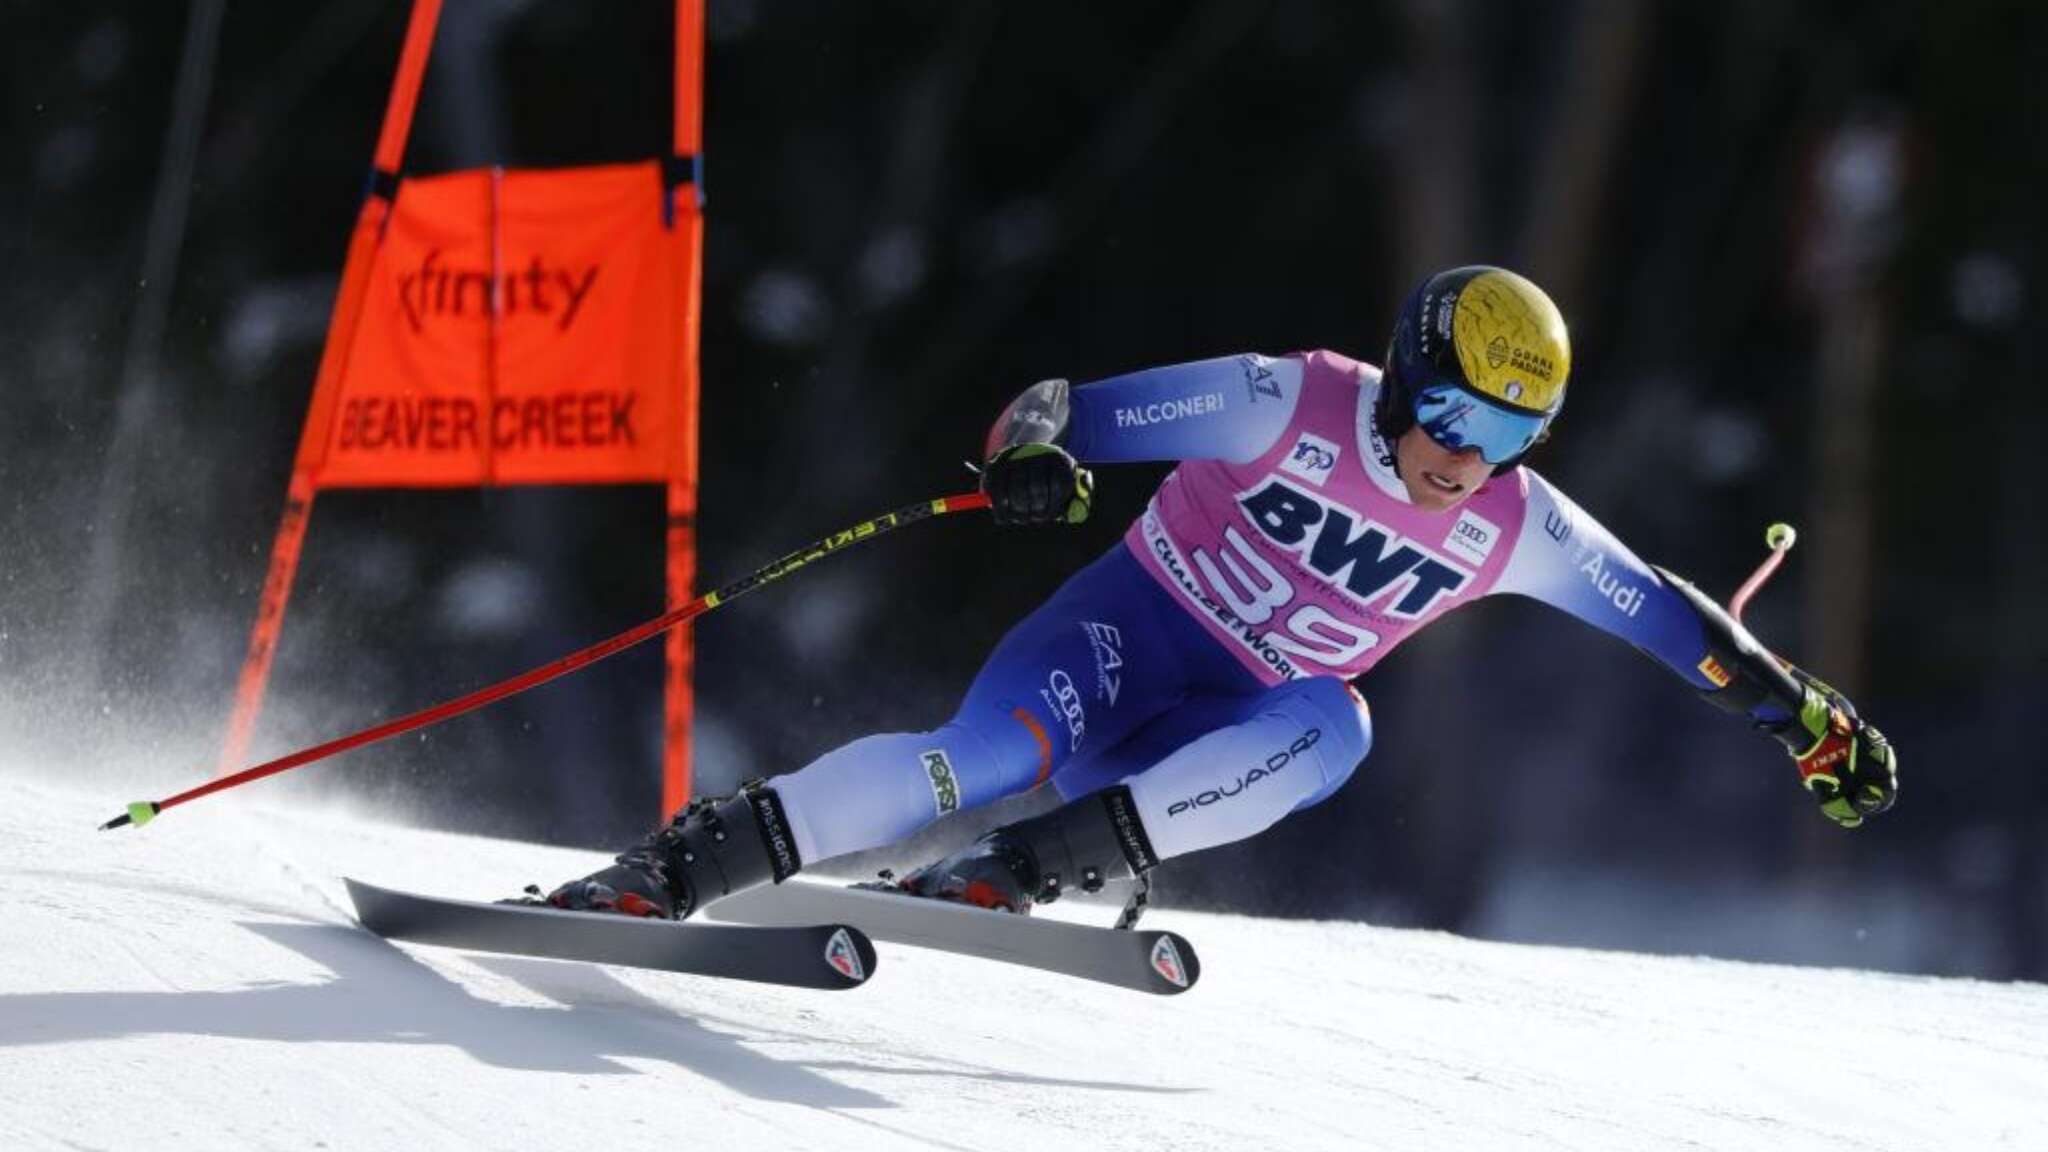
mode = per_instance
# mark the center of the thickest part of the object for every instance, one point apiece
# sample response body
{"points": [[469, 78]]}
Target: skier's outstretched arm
{"points": [[1230, 408], [1568, 560]]}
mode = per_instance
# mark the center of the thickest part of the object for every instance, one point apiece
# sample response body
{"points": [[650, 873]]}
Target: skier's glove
{"points": [[1037, 484], [1848, 765]]}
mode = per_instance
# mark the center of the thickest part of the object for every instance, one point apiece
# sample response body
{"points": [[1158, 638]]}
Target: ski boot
{"points": [[712, 848], [1084, 845]]}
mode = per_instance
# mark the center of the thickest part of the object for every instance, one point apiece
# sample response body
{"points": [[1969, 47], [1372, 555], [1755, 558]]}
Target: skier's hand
{"points": [[1848, 765], [1037, 484]]}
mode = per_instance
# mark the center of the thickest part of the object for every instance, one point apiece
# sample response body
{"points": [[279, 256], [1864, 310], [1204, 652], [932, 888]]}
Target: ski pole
{"points": [[1779, 538], [143, 811]]}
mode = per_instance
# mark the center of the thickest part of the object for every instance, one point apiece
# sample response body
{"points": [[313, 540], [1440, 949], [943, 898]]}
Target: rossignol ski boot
{"points": [[712, 848], [1084, 845]]}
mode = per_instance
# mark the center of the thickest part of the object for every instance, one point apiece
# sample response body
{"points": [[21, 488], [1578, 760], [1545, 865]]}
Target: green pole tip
{"points": [[1780, 537], [141, 812]]}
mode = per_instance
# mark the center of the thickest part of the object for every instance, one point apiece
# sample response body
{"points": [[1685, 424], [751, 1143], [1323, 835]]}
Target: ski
{"points": [[1145, 961], [808, 955]]}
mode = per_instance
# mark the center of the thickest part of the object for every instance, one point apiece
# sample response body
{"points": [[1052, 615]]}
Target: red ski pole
{"points": [[1779, 538], [143, 811]]}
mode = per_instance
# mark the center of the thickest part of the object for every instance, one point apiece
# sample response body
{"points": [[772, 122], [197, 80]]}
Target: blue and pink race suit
{"points": [[1207, 662]]}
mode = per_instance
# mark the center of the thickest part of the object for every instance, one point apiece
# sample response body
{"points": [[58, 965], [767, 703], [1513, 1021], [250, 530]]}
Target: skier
{"points": [[1196, 684]]}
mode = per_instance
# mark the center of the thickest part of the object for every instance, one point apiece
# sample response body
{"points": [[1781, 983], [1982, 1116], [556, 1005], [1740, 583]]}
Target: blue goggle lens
{"points": [[1457, 419]]}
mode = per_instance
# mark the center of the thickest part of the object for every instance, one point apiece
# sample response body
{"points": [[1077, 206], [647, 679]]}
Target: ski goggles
{"points": [[1458, 418]]}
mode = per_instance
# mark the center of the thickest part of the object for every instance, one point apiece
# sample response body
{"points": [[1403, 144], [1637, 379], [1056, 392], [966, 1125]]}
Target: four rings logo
{"points": [[1065, 703], [1472, 537]]}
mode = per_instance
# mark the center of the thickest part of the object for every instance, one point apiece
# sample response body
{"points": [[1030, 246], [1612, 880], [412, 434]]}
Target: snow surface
{"points": [[199, 983]]}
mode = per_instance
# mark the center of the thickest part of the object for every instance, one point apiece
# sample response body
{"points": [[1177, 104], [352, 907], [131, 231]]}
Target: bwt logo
{"points": [[1350, 552], [435, 290], [1272, 765]]}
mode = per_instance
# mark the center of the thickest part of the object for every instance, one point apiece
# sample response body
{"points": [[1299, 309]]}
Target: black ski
{"points": [[810, 955], [1147, 961]]}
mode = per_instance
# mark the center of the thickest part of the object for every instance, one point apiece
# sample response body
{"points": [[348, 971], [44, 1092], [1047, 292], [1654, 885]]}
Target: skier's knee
{"points": [[1341, 723]]}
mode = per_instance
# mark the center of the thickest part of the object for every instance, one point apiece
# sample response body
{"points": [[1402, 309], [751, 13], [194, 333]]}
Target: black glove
{"points": [[1848, 765], [1037, 484]]}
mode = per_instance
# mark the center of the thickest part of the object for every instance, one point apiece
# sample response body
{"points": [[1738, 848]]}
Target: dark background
{"points": [[1800, 247]]}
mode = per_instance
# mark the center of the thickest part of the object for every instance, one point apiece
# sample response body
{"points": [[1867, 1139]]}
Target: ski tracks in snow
{"points": [[199, 984]]}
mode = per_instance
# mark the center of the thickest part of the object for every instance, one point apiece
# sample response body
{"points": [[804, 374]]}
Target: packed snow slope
{"points": [[200, 983]]}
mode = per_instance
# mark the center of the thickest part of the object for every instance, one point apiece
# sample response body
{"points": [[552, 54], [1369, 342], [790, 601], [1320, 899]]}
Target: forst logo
{"points": [[945, 785], [1351, 552], [1272, 765]]}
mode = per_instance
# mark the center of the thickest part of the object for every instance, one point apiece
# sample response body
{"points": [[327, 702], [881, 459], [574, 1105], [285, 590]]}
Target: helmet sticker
{"points": [[1510, 341]]}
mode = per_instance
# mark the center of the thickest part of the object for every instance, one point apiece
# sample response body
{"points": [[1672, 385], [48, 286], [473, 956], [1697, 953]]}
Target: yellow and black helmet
{"points": [[1480, 356]]}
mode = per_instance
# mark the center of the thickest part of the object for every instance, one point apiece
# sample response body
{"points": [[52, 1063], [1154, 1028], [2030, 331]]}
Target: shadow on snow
{"points": [[381, 995]]}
